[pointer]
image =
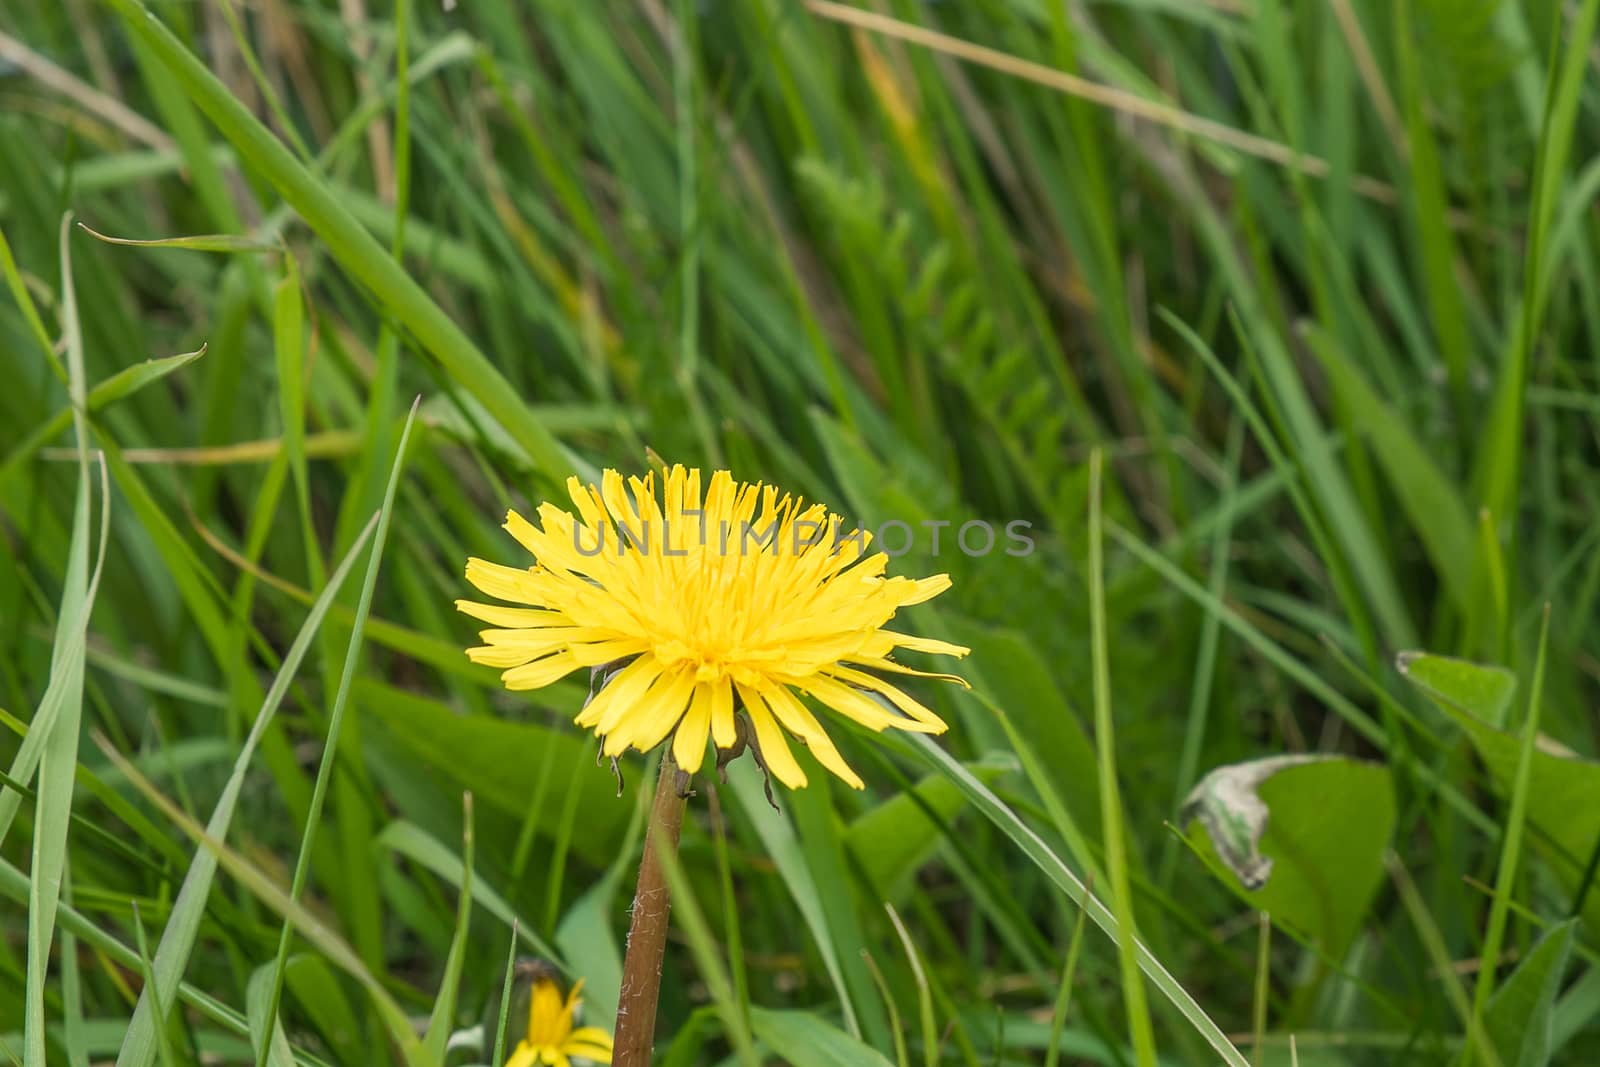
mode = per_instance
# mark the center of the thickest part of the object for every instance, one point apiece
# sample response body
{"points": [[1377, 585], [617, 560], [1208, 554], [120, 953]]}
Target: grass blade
{"points": [[1437, 512], [444, 1007], [1258, 1015], [147, 972], [265, 1030], [502, 1024], [319, 790], [356, 249], [1035, 848], [19, 293], [901, 1057], [122, 384], [1439, 955], [183, 926], [1511, 843], [1139, 1028], [1058, 1017], [1500, 456], [325, 940], [210, 242], [930, 1032], [1429, 201], [14, 886], [72, 1020], [53, 736], [414, 844], [779, 841]]}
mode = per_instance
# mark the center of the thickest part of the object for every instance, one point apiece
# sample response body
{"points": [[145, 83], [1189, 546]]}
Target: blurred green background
{"points": [[1317, 280]]}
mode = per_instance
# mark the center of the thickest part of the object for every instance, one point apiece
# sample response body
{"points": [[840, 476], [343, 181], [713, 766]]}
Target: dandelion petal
{"points": [[742, 590]]}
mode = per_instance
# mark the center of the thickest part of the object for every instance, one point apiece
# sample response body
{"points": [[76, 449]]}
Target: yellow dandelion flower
{"points": [[691, 608], [551, 1040]]}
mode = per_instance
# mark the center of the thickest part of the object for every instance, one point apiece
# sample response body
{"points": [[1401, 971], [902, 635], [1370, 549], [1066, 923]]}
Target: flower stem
{"points": [[647, 933]]}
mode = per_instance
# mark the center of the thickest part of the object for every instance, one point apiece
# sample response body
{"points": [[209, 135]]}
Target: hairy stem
{"points": [[647, 933]]}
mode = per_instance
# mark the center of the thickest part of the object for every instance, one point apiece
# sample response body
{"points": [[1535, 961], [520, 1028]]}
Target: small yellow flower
{"points": [[692, 608], [551, 1040]]}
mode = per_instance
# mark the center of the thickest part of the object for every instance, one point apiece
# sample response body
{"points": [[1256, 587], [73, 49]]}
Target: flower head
{"points": [[551, 1041], [689, 608]]}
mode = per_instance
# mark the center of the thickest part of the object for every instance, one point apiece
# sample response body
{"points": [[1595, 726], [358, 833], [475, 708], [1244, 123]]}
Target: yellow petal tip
{"points": [[772, 617]]}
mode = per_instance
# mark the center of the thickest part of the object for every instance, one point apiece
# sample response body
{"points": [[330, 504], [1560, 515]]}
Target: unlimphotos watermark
{"points": [[892, 537]]}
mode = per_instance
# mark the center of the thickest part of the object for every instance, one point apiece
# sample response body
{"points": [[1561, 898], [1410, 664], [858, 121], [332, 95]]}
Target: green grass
{"points": [[1277, 322]]}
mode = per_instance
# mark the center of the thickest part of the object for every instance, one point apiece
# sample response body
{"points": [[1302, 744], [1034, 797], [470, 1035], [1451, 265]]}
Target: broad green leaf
{"points": [[1020, 680], [1521, 1012], [1562, 787], [586, 937], [1301, 838], [494, 758], [806, 1040], [316, 988], [1457, 686], [895, 838]]}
